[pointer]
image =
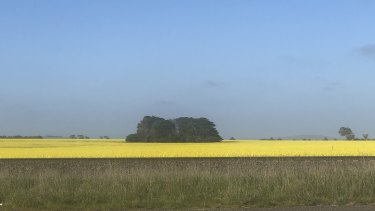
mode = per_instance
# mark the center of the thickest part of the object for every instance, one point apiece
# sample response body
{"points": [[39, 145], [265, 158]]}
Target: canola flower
{"points": [[67, 148]]}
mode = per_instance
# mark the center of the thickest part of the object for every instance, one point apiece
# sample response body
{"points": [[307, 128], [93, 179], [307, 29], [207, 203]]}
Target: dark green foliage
{"points": [[183, 129], [196, 130], [78, 137], [162, 130], [133, 138], [154, 129], [347, 132]]}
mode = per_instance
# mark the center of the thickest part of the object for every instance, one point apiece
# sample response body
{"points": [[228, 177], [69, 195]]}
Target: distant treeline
{"points": [[50, 137], [21, 137], [78, 137]]}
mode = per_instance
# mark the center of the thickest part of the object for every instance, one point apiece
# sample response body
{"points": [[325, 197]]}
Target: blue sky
{"points": [[255, 68]]}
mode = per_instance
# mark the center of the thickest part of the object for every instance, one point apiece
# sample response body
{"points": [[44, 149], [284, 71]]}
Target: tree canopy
{"points": [[183, 129], [347, 132]]}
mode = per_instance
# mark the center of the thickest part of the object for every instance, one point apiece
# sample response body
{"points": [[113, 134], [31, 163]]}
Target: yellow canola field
{"points": [[67, 148]]}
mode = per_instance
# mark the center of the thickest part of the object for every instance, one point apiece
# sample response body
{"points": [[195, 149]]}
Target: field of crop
{"points": [[67, 148], [241, 173]]}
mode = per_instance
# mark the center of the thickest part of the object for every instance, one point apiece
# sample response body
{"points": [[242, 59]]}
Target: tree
{"points": [[183, 129], [72, 137], [196, 130], [365, 136], [154, 129], [347, 132], [146, 130], [134, 138], [163, 130], [350, 137], [232, 138]]}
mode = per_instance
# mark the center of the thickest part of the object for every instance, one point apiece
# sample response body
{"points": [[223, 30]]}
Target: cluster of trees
{"points": [[104, 137], [78, 137], [183, 129], [349, 135], [21, 137]]}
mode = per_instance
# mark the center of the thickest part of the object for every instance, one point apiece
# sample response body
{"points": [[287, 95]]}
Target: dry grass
{"points": [[185, 183]]}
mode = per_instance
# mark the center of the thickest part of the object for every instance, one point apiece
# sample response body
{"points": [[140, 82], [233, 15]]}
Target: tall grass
{"points": [[184, 183]]}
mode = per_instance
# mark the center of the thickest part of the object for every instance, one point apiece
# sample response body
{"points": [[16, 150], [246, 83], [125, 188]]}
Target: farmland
{"points": [[112, 174], [116, 148]]}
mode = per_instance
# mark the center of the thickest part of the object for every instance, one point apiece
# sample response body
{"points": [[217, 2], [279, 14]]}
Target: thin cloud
{"points": [[328, 88], [215, 84], [368, 50], [331, 86], [165, 102]]}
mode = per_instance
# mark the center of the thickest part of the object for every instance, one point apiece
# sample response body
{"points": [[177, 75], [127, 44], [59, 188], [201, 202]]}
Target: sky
{"points": [[257, 69]]}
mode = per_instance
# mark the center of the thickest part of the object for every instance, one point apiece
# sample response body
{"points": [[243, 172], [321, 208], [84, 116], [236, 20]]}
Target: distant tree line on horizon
{"points": [[48, 137], [349, 135], [183, 129], [21, 137], [343, 131], [78, 137]]}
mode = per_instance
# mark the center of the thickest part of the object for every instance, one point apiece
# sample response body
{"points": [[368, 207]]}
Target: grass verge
{"points": [[184, 183]]}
